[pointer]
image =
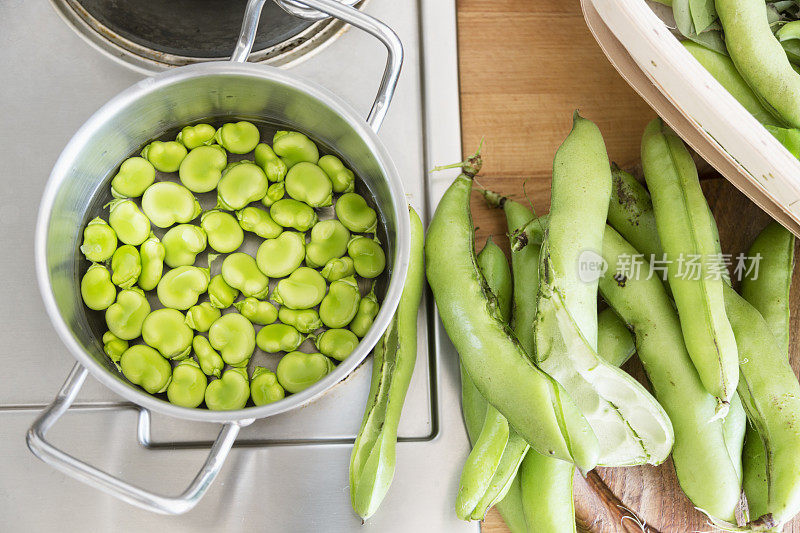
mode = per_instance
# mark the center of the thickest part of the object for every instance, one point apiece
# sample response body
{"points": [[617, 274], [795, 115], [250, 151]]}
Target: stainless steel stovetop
{"points": [[287, 473]]}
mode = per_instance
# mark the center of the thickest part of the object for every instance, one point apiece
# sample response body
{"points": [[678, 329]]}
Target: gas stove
{"points": [[60, 62]]}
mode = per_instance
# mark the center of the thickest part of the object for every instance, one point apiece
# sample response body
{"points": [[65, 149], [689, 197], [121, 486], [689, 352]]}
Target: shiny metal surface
{"points": [[300, 8]]}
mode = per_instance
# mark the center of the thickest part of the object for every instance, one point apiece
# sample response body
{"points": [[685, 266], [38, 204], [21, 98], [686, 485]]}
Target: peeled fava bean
{"points": [[182, 243], [258, 221], [279, 338], [166, 331], [338, 268], [144, 366], [304, 320], [165, 156], [340, 305], [188, 385], [152, 255], [307, 183], [303, 289], [367, 311], [128, 222], [275, 192], [126, 265], [368, 257], [282, 255], [272, 165], [97, 290], [202, 169], [352, 210], [257, 311], [342, 178], [240, 271], [99, 241], [166, 203], [230, 392], [329, 240], [135, 175], [336, 343], [125, 317], [181, 287], [264, 387], [198, 135], [210, 361], [200, 317], [293, 147], [220, 294], [114, 347], [297, 370], [238, 137], [290, 213], [234, 337], [241, 184], [223, 231]]}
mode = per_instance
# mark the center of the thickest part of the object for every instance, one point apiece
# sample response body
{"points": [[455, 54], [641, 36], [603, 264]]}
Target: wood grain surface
{"points": [[525, 66]]}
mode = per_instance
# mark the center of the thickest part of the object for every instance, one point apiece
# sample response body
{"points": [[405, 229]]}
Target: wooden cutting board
{"points": [[525, 65]]}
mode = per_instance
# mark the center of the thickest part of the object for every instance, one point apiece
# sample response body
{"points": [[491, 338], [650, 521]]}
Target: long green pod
{"points": [[760, 58], [614, 341], [490, 352], [372, 460], [687, 235]]}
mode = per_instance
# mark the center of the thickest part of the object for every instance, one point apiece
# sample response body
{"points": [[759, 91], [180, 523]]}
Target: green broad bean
{"points": [[272, 165], [282, 255], [210, 362], [352, 211], [114, 347], [135, 175], [338, 268], [240, 271], [230, 392], [293, 147], [789, 37], [238, 137], [279, 338], [336, 343], [297, 370], [195, 136], [181, 287], [188, 385], [275, 192], [166, 203], [307, 183], [329, 239], [368, 257], [166, 331], [223, 231], [257, 311], [144, 366], [182, 243], [304, 320], [258, 221], [220, 294], [152, 255], [754, 474], [165, 156], [99, 241], [241, 184], [264, 387], [234, 337], [342, 178], [338, 308], [97, 289], [614, 340], [303, 289], [129, 224], [126, 265], [125, 317], [290, 213], [367, 311], [201, 170], [546, 493], [200, 317]]}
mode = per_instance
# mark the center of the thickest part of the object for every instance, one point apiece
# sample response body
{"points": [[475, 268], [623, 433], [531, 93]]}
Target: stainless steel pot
{"points": [[151, 107]]}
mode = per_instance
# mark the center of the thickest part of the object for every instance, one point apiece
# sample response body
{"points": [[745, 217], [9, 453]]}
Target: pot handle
{"points": [[350, 15], [106, 482]]}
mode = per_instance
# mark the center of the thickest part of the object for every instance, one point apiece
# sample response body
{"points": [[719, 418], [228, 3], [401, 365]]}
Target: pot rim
{"points": [[61, 172]]}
